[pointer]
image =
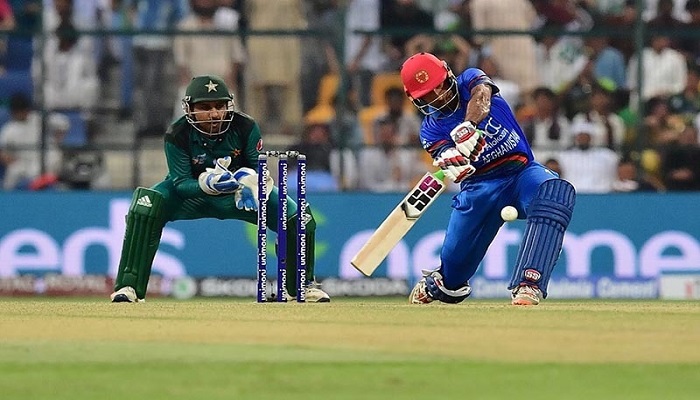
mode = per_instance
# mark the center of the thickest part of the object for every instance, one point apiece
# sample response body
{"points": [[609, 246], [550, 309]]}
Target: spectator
{"points": [[7, 23], [27, 14], [609, 128], [153, 101], [680, 165], [664, 69], [509, 90], [608, 62], [576, 96], [57, 127], [20, 144], [547, 130], [489, 15], [590, 169], [16, 50], [406, 121], [560, 59], [553, 164], [400, 166], [687, 102], [319, 51], [273, 89], [653, 8], [453, 49], [628, 179], [660, 126], [70, 79], [364, 54], [222, 55], [623, 17], [665, 17], [690, 46], [401, 15], [120, 50], [316, 145]]}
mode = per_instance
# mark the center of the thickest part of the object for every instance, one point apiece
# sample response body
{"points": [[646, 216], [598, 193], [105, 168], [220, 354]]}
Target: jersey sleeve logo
{"points": [[259, 146]]}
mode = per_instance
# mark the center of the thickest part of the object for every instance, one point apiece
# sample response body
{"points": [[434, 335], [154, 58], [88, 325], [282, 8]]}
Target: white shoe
{"points": [[419, 294], [314, 294], [526, 296], [126, 294]]}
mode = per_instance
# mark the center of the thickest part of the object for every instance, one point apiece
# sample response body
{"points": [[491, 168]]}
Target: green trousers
{"points": [[152, 208]]}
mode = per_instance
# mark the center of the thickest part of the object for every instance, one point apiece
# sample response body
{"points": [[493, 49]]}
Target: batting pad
{"points": [[143, 230], [548, 216]]}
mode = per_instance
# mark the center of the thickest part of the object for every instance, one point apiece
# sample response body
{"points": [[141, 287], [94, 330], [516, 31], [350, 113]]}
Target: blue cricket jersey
{"points": [[506, 147]]}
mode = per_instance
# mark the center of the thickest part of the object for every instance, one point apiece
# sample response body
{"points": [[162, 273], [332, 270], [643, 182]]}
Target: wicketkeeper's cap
{"points": [[207, 88]]}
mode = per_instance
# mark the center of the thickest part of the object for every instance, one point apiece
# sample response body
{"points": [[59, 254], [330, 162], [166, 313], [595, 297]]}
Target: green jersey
{"points": [[189, 152]]}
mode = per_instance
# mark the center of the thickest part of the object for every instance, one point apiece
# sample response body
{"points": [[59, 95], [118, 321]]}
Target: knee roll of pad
{"points": [[554, 201], [438, 291]]}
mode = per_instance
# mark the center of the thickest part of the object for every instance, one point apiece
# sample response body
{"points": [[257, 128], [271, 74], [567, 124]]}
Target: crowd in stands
{"points": [[322, 76]]}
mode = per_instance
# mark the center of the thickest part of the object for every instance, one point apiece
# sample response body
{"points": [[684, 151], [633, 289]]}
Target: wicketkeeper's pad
{"points": [[144, 226]]}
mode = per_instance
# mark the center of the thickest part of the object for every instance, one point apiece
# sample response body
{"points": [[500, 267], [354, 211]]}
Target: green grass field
{"points": [[348, 349]]}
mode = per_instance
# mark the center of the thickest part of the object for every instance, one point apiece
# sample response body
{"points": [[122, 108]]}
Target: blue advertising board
{"points": [[628, 238]]}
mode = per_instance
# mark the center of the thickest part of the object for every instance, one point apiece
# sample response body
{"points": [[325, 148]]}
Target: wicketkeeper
{"points": [[212, 154], [473, 136]]}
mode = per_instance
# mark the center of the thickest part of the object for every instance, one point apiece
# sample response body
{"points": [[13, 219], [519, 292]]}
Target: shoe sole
{"points": [[121, 298], [524, 302], [321, 300]]}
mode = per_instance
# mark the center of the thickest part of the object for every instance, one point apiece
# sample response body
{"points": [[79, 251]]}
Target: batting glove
{"points": [[218, 180], [455, 165], [468, 140]]}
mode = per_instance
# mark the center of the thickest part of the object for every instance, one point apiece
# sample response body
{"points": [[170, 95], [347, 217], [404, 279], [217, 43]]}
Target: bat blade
{"points": [[398, 223]]}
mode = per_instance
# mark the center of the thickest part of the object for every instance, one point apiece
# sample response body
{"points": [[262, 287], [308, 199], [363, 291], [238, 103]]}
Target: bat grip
{"points": [[439, 174]]}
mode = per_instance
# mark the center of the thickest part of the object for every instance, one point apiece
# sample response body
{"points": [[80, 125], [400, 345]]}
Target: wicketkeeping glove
{"points": [[456, 166], [247, 196], [468, 140], [218, 180]]}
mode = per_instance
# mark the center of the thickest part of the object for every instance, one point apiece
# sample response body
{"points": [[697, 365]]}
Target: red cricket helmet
{"points": [[422, 73]]}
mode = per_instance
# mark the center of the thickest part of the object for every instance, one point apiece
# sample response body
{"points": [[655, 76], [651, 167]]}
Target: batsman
{"points": [[211, 153], [473, 136]]}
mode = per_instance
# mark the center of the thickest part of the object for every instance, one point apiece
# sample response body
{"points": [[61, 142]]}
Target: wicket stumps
{"points": [[263, 172]]}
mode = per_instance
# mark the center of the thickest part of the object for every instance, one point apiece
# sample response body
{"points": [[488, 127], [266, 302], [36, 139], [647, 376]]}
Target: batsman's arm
{"points": [[479, 104]]}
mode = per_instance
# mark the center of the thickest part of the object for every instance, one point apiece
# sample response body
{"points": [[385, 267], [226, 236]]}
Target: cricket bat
{"points": [[399, 222]]}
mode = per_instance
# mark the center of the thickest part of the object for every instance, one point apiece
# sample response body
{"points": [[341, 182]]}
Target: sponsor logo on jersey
{"points": [[259, 146], [199, 159]]}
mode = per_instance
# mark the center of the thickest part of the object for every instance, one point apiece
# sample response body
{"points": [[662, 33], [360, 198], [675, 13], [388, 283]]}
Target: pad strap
{"points": [[144, 226], [548, 216]]}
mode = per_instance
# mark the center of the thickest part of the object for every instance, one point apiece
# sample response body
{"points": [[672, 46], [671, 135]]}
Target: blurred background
{"points": [[607, 91]]}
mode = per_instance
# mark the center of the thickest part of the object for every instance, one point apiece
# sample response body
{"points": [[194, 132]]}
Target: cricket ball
{"points": [[509, 213]]}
